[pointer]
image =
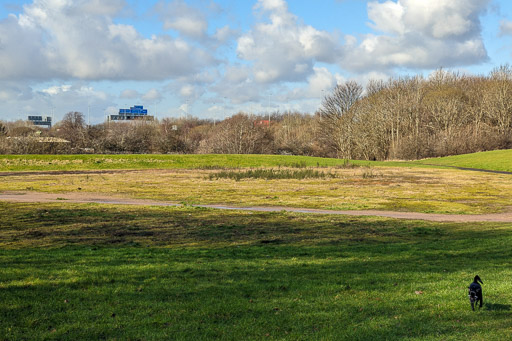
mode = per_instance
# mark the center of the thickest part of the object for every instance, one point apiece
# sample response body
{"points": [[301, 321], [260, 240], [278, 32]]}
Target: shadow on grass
{"points": [[497, 306], [73, 271]]}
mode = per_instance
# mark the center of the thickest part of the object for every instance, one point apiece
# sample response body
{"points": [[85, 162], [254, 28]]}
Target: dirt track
{"points": [[103, 199]]}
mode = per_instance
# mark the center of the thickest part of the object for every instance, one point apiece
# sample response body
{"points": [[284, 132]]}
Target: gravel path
{"points": [[103, 199]]}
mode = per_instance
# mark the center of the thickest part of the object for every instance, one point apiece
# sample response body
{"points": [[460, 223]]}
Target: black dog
{"points": [[475, 292]]}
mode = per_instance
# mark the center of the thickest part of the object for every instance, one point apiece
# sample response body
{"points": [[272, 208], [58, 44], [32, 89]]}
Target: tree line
{"points": [[288, 133], [415, 117], [446, 113]]}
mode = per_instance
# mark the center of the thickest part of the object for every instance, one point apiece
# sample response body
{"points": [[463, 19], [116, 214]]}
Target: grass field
{"points": [[499, 160], [143, 161], [95, 271], [71, 271], [495, 160], [385, 188]]}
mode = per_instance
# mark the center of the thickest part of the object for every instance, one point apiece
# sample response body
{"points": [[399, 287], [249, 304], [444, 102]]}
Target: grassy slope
{"points": [[500, 160], [106, 272], [494, 160], [93, 162]]}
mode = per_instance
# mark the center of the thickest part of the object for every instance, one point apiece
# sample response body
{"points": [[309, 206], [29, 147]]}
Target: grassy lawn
{"points": [[90, 271], [500, 160], [77, 271], [158, 161], [494, 160]]}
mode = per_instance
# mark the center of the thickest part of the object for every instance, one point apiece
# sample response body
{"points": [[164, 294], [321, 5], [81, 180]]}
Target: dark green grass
{"points": [[70, 271]]}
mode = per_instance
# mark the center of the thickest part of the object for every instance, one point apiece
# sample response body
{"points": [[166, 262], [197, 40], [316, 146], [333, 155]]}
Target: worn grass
{"points": [[70, 271], [383, 188]]}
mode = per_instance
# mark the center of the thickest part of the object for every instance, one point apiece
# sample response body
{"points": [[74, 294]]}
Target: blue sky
{"points": [[213, 58]]}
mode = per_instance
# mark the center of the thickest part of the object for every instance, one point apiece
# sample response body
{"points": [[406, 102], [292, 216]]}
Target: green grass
{"points": [[494, 160], [498, 160], [76, 271], [157, 161]]}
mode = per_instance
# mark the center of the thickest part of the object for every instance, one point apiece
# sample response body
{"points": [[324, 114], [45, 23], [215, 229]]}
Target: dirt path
{"points": [[103, 199]]}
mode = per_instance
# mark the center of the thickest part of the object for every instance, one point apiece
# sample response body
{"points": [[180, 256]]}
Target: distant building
{"points": [[41, 120], [135, 113], [262, 123]]}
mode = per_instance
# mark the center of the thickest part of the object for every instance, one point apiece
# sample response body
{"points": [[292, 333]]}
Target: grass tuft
{"points": [[272, 174]]}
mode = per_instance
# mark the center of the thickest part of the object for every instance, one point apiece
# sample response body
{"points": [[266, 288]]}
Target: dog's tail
{"points": [[477, 279]]}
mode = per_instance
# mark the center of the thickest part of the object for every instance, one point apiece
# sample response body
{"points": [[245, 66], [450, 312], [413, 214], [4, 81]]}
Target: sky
{"points": [[214, 58]]}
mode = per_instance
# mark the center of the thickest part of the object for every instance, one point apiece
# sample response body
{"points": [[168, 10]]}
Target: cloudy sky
{"points": [[213, 58]]}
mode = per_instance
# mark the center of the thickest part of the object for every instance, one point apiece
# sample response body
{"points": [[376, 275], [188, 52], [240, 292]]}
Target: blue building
{"points": [[137, 112], [41, 120]]}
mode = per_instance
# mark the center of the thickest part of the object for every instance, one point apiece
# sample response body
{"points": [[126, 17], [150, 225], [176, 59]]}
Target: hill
{"points": [[496, 160]]}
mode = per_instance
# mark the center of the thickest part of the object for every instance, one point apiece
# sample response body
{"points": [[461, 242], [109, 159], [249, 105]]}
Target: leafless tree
{"points": [[335, 119], [73, 129], [294, 133], [237, 135], [3, 129]]}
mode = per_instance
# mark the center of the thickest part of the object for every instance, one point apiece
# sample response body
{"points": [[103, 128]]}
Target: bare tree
{"points": [[237, 135], [334, 129], [3, 129], [141, 137], [73, 128], [343, 97], [294, 133], [499, 99]]}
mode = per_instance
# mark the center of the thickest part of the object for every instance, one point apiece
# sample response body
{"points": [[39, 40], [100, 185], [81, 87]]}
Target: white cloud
{"points": [[152, 96], [63, 39], [419, 34], [57, 89], [225, 33], [129, 94], [19, 100], [187, 91], [443, 18], [178, 15], [387, 17], [323, 80], [184, 108], [61, 42], [505, 27], [242, 91], [237, 73], [284, 49], [273, 5], [102, 7]]}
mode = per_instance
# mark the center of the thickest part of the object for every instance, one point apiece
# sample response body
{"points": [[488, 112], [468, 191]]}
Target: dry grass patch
{"points": [[403, 189]]}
